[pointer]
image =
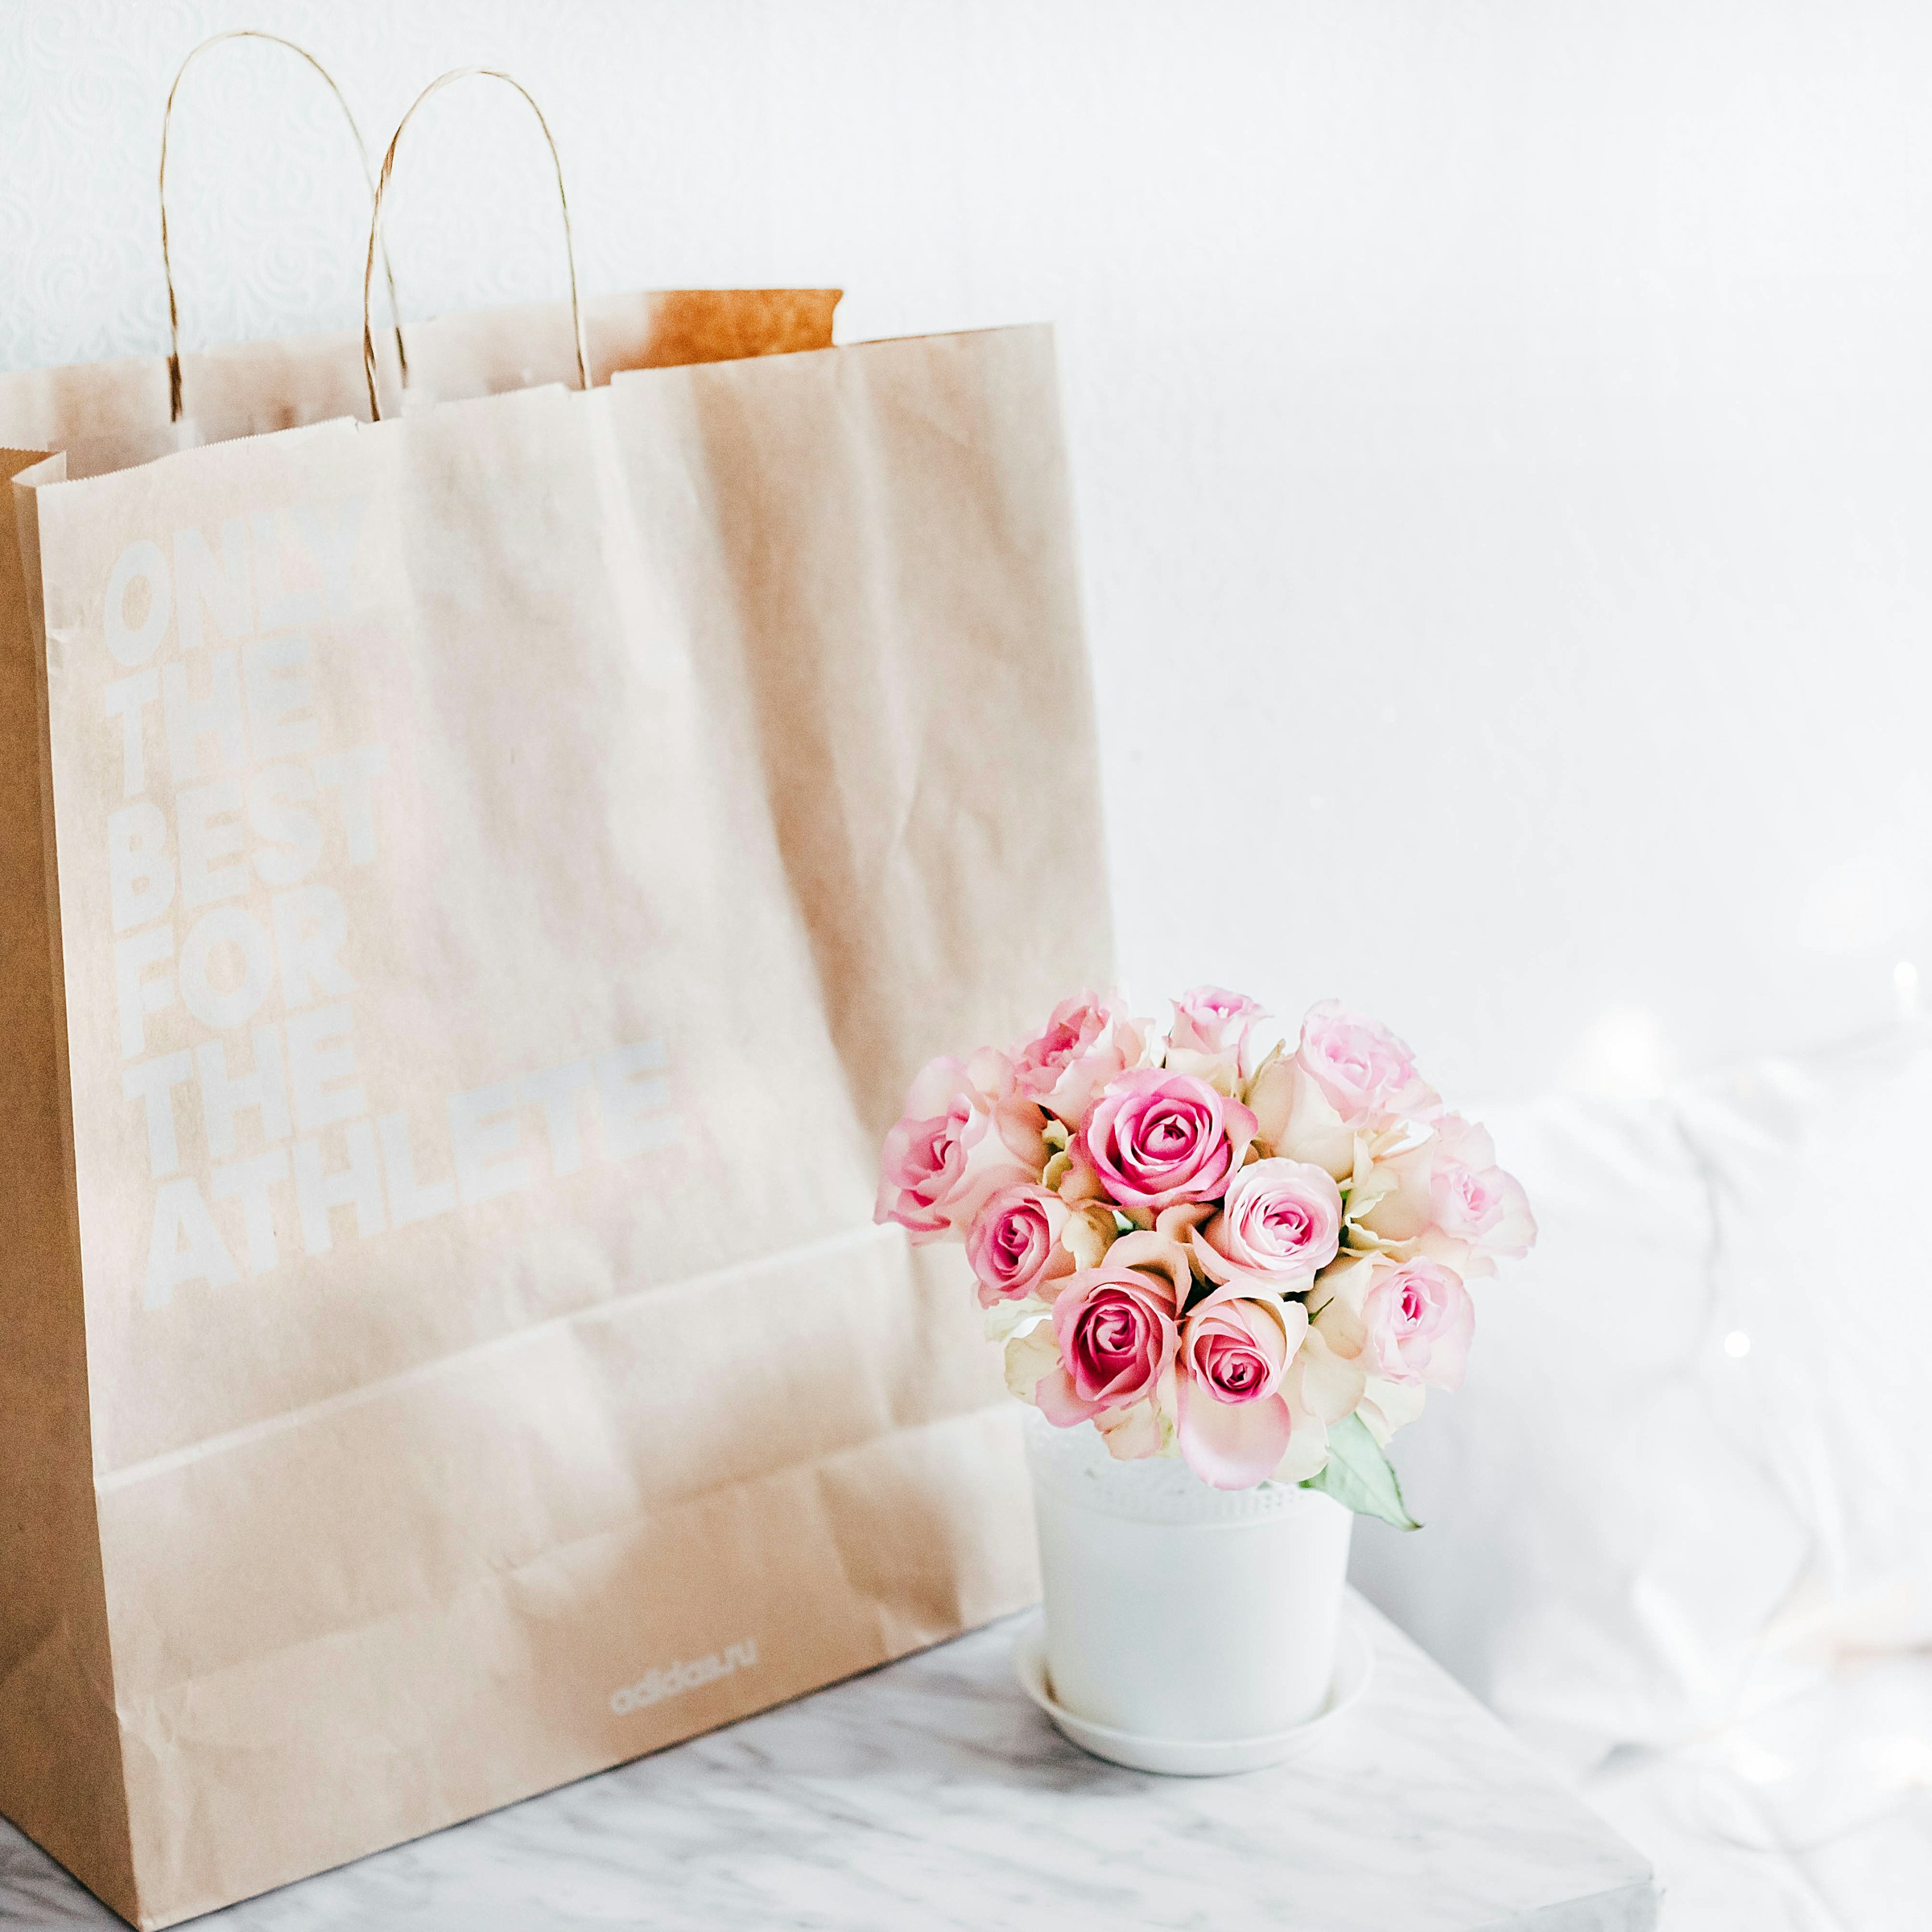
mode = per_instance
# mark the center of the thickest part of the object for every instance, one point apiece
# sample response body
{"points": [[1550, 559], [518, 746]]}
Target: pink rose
{"points": [[1013, 1243], [1233, 1421], [1088, 1041], [965, 1135], [1419, 1319], [1479, 1212], [1211, 1019], [1467, 1201], [1211, 1028], [1154, 1137], [1114, 1330], [1281, 1223], [1366, 1073]]}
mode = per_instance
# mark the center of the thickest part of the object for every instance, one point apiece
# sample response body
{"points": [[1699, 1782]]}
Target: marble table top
{"points": [[931, 1794]]}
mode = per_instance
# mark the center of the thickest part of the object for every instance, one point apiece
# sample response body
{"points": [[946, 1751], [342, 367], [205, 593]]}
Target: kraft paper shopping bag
{"points": [[508, 862], [498, 869]]}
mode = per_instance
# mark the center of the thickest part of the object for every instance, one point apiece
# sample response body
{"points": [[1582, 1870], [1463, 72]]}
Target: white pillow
{"points": [[1819, 1167], [1602, 1550]]}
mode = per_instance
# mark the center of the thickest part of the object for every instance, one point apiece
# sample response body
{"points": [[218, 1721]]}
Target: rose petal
{"points": [[1307, 1450], [1156, 1251], [1295, 1118], [1327, 1384], [1231, 1445], [1029, 1357], [1387, 1407], [1132, 1433], [1057, 1399]]}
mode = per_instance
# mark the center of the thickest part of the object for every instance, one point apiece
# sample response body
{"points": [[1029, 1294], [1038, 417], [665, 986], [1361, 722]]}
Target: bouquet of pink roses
{"points": [[1210, 1246]]}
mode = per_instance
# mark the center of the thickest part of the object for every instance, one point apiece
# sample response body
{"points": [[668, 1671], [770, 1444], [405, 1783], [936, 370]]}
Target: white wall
{"points": [[1503, 435]]}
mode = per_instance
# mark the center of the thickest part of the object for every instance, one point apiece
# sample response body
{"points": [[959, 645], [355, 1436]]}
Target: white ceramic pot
{"points": [[1176, 1610]]}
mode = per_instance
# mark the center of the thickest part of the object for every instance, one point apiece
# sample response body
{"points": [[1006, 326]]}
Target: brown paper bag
{"points": [[504, 865]]}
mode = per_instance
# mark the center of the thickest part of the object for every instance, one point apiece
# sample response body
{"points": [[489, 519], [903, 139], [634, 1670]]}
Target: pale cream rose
{"points": [[1391, 1201], [1328, 1384], [1031, 1352], [1144, 1430], [1387, 1406], [1090, 1230], [1005, 1319], [1297, 1119], [1335, 1302], [1335, 1365]]}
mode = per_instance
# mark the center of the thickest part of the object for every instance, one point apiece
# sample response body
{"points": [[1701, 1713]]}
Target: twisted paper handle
{"points": [[375, 223], [167, 267]]}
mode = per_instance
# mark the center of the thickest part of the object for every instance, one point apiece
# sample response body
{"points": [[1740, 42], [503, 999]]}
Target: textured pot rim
{"points": [[1072, 1466]]}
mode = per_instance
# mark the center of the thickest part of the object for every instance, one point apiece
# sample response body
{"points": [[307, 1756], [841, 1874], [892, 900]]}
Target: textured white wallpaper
{"points": [[1501, 432]]}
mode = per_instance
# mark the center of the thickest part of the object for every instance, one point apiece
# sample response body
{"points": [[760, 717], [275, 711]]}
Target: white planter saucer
{"points": [[1181, 1757]]}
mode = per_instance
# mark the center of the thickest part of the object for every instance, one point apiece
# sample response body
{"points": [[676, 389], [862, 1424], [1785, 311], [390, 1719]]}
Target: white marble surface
{"points": [[932, 1794]]}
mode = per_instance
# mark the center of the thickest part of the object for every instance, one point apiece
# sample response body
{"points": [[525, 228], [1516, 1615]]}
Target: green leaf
{"points": [[1358, 1475]]}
